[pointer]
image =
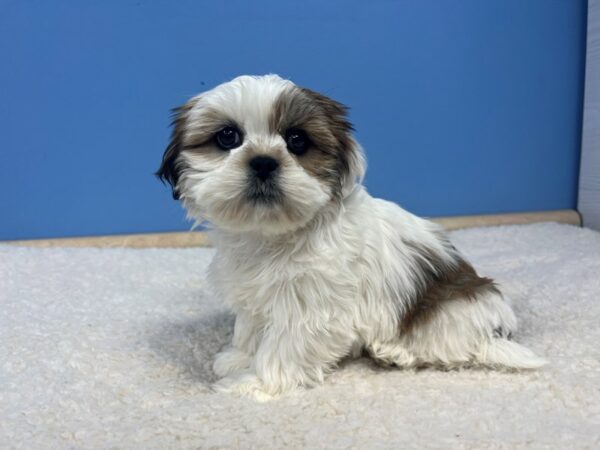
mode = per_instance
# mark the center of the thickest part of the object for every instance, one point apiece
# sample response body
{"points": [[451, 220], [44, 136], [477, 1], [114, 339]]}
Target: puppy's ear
{"points": [[168, 170], [357, 166], [351, 156]]}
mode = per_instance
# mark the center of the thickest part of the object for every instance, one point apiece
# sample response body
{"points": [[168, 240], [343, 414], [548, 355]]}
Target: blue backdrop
{"points": [[463, 106]]}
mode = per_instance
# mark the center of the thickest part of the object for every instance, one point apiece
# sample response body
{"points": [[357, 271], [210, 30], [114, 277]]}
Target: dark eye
{"points": [[297, 141], [228, 138]]}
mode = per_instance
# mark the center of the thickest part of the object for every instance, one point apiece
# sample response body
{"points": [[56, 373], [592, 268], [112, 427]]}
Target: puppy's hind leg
{"points": [[471, 331], [495, 348], [499, 351]]}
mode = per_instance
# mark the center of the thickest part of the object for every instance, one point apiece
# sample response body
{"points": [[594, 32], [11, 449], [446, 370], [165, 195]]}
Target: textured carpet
{"points": [[112, 348]]}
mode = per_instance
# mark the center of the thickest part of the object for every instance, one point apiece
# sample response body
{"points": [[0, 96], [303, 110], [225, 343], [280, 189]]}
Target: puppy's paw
{"points": [[391, 353], [244, 383], [229, 361]]}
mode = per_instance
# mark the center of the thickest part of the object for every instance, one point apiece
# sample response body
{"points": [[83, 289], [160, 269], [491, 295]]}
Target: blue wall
{"points": [[463, 106]]}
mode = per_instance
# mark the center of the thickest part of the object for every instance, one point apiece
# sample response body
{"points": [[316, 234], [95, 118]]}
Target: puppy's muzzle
{"points": [[263, 167]]}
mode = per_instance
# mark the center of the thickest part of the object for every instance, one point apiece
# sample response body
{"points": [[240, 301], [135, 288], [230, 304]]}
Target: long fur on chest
{"points": [[400, 264]]}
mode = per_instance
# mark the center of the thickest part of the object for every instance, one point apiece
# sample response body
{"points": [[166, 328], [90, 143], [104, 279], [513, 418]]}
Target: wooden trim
{"points": [[199, 239], [181, 239], [567, 216]]}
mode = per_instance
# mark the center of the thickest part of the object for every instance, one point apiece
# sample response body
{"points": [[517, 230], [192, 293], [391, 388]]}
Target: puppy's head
{"points": [[260, 154]]}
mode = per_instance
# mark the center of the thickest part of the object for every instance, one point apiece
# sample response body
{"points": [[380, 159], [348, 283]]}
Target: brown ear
{"points": [[352, 160], [357, 166], [168, 170]]}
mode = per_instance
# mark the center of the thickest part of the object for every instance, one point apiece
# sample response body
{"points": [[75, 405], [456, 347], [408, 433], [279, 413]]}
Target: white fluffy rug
{"points": [[112, 348]]}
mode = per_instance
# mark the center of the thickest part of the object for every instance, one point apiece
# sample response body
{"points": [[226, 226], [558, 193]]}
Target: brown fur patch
{"points": [[439, 283], [326, 124], [200, 133]]}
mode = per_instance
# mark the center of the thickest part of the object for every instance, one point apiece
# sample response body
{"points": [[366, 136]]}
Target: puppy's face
{"points": [[260, 154]]}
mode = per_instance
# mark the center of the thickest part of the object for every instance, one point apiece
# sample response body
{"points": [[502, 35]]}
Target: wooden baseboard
{"points": [[199, 239], [567, 216], [177, 239]]}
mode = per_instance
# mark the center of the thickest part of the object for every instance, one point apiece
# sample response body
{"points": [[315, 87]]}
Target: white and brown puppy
{"points": [[315, 268]]}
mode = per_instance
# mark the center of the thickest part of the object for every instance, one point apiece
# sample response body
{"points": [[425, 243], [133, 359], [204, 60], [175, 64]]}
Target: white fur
{"points": [[208, 186], [316, 285]]}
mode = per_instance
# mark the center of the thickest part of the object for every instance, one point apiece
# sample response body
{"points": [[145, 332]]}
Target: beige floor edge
{"points": [[200, 239]]}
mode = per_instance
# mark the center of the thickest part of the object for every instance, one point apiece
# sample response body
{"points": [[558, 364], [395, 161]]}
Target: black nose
{"points": [[263, 166]]}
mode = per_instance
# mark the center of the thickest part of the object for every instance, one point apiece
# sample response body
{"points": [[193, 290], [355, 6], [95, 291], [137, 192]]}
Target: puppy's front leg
{"points": [[287, 358], [243, 346]]}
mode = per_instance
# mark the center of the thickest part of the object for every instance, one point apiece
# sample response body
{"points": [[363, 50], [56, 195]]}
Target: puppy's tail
{"points": [[504, 353]]}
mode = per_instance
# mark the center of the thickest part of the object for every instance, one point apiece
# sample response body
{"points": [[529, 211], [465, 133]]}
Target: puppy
{"points": [[315, 268]]}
